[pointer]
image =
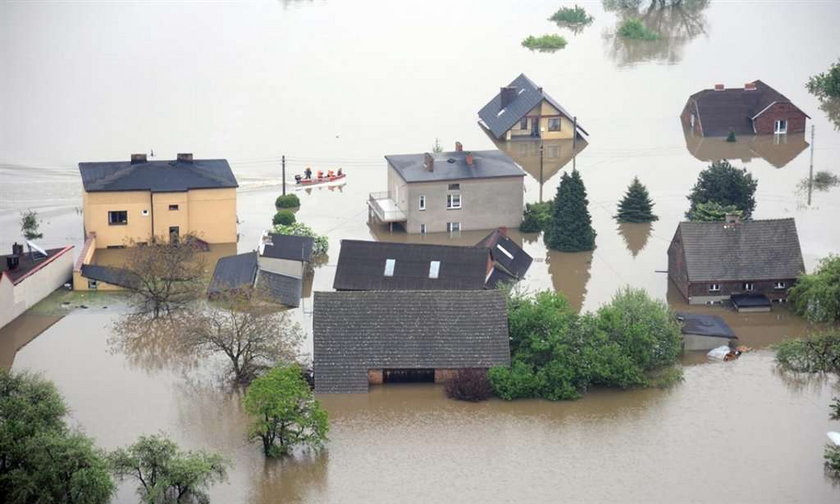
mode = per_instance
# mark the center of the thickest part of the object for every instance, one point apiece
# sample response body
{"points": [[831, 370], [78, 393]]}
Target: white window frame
{"points": [[749, 286], [421, 202], [390, 264], [780, 285], [714, 287], [453, 227], [434, 269], [450, 201], [551, 120], [777, 127]]}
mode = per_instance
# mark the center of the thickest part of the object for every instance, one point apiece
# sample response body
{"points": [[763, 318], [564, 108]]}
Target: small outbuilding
{"points": [[704, 332], [510, 261], [28, 277], [374, 337]]}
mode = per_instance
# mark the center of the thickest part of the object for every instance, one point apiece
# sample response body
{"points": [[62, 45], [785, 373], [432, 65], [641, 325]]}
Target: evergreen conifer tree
{"points": [[636, 205], [570, 229]]}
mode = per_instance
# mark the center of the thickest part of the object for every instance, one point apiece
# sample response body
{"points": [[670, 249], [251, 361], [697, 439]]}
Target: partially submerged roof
{"points": [[528, 95], [108, 274], [157, 176], [369, 265], [357, 331], [748, 250], [750, 300], [234, 272], [29, 263], [506, 253], [705, 325], [722, 111], [296, 248], [453, 166], [282, 288]]}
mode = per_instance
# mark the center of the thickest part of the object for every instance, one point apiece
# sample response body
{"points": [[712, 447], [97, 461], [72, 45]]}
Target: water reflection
{"points": [[570, 274], [542, 160], [677, 23], [292, 479], [152, 344], [778, 150], [832, 111], [20, 331], [635, 235]]}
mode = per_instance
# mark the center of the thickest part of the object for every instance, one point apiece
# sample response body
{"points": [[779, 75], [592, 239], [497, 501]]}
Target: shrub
{"points": [[283, 218], [287, 201], [832, 460], [536, 217], [634, 28], [817, 296], [469, 385], [571, 16], [544, 43], [731, 136], [817, 353]]}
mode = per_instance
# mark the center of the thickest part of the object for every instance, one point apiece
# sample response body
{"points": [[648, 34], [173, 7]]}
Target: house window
{"points": [[422, 202], [693, 118], [453, 227], [523, 123], [92, 284], [422, 229], [453, 200], [553, 124], [749, 286], [454, 187], [173, 207], [389, 267], [118, 218], [434, 269], [714, 287], [779, 285], [780, 127]]}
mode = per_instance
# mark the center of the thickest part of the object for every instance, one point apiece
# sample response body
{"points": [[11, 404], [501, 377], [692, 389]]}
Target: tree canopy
{"points": [[570, 229], [825, 85], [29, 224], [285, 412], [636, 206], [816, 296], [726, 185]]}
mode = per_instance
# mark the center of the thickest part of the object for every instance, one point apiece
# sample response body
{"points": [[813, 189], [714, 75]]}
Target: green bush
{"points": [[731, 137], [536, 217], [544, 43], [283, 218], [469, 385], [571, 16], [817, 353], [634, 28], [287, 201], [817, 296]]}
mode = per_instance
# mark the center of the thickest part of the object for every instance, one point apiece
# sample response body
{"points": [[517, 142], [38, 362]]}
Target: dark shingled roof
{"points": [[453, 166], [529, 96], [234, 272], [357, 331], [361, 266], [157, 176], [296, 248], [284, 289], [506, 254], [733, 109], [749, 250], [26, 264], [108, 274], [705, 325]]}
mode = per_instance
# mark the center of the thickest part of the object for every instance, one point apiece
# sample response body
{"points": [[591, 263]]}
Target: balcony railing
{"points": [[385, 209]]}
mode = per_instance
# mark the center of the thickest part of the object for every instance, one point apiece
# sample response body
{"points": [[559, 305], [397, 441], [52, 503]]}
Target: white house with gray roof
{"points": [[450, 192]]}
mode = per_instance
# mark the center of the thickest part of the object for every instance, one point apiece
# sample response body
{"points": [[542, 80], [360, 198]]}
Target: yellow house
{"points": [[523, 110], [133, 200]]}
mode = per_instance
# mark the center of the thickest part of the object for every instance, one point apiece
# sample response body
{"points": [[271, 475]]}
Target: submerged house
{"points": [[510, 261], [755, 109], [523, 110], [450, 191], [28, 277], [754, 260], [704, 332], [363, 338]]}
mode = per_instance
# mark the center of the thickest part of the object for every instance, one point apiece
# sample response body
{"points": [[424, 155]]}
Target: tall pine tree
{"points": [[636, 205], [570, 229]]}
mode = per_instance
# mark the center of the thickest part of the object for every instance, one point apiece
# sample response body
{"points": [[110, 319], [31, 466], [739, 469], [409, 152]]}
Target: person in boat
{"points": [[330, 173], [339, 172], [308, 173], [320, 174], [298, 178]]}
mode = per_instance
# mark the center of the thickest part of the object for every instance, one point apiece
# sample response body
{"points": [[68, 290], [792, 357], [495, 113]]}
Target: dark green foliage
{"points": [[557, 354], [832, 460], [469, 385], [167, 475], [817, 353], [570, 229], [41, 460], [817, 296], [634, 28], [283, 218], [29, 223], [731, 137], [712, 211], [544, 43], [536, 217], [824, 180], [724, 184], [571, 16], [287, 201], [322, 244], [636, 205], [826, 84], [835, 409]]}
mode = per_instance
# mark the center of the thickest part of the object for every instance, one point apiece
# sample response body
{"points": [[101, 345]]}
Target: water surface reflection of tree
{"points": [[301, 478], [832, 111], [678, 22], [570, 274], [635, 235]]}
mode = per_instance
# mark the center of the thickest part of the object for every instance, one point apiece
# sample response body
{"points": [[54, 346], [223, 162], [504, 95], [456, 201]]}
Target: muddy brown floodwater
{"points": [[340, 84]]}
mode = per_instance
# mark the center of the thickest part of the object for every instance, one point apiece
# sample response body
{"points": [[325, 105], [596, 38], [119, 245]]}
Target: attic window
{"points": [[521, 91], [505, 252], [389, 267], [500, 112], [434, 269]]}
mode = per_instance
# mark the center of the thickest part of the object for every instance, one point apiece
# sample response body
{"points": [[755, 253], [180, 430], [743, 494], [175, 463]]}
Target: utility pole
{"points": [[574, 133], [811, 168], [283, 164]]}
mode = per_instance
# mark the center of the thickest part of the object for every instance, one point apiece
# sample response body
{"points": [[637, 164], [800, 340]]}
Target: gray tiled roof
{"points": [[357, 331], [453, 166], [705, 325], [283, 288], [234, 272], [529, 96], [295, 248], [157, 176], [750, 250]]}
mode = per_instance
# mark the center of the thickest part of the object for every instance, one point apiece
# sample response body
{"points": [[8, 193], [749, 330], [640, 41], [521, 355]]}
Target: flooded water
{"points": [[340, 84]]}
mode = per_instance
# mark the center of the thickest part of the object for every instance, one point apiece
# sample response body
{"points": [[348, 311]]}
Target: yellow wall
{"points": [[166, 218], [542, 110], [98, 204], [212, 214]]}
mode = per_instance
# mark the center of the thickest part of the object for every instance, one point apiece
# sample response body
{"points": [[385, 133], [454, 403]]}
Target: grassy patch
{"points": [[633, 28], [544, 43], [571, 16]]}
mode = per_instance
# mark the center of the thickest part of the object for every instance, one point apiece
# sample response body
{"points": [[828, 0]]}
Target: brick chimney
{"points": [[469, 159], [719, 87], [459, 147], [428, 162], [508, 94], [749, 86], [138, 158], [185, 157]]}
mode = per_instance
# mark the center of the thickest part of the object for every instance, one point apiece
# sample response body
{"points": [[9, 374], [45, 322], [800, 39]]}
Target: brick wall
{"points": [[765, 124], [677, 270], [685, 117], [766, 287]]}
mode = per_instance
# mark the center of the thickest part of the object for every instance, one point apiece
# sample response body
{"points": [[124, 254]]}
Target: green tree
{"points": [[286, 413], [283, 218], [825, 85], [816, 296], [536, 217], [570, 229], [636, 205], [41, 460], [724, 184], [571, 16], [321, 245], [713, 211], [167, 475], [29, 224]]}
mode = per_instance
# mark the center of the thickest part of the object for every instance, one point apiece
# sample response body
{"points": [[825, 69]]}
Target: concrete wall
{"points": [[281, 266], [17, 298], [398, 189]]}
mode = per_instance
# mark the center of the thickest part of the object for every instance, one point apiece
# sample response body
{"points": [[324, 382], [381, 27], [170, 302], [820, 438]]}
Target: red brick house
{"points": [[710, 262], [755, 109]]}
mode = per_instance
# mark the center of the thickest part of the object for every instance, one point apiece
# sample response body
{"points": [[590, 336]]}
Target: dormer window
{"points": [[504, 251], [434, 269], [389, 267], [779, 285], [749, 286], [714, 287]]}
